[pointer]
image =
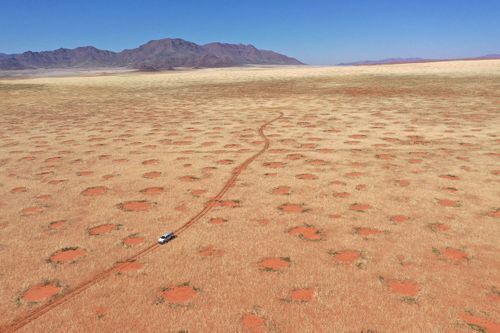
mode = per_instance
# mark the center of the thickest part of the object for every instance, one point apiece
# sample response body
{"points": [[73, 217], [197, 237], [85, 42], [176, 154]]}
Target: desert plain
{"points": [[325, 199]]}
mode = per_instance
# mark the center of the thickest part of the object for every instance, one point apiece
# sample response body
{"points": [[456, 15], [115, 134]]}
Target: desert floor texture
{"points": [[373, 205]]}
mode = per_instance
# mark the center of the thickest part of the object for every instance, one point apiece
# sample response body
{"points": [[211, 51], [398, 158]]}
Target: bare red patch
{"points": [[494, 213], [341, 194], [360, 207], [263, 221], [384, 156], [153, 190], [152, 174], [179, 294], [439, 227], [32, 210], [294, 157], [253, 324], [448, 203], [274, 264], [486, 325], [368, 231], [41, 292], [57, 224], [94, 191], [101, 311], [188, 178], [19, 190], [346, 256], [403, 182], [399, 218], [197, 192], [182, 208], [354, 174], [102, 229], [302, 295], [217, 220], [281, 190], [67, 255], [404, 288], [361, 187], [454, 254], [150, 162], [305, 232], [291, 208]]}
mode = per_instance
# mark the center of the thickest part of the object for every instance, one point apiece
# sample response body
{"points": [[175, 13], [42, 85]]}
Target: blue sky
{"points": [[314, 31]]}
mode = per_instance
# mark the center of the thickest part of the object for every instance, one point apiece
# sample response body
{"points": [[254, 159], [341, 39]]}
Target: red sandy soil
{"points": [[371, 207], [102, 229], [153, 190], [302, 295], [253, 324], [58, 224], [94, 191], [41, 292], [291, 208], [179, 294], [274, 264], [307, 232], [67, 255], [346, 256]]}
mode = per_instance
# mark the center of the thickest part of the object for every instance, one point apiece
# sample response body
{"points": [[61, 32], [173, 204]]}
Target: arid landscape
{"points": [[334, 199]]}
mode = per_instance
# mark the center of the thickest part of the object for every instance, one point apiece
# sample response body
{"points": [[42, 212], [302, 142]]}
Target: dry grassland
{"points": [[376, 207]]}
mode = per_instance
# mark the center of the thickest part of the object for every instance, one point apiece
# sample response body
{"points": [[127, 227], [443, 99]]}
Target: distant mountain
{"points": [[489, 56], [4, 56], [167, 53], [383, 61], [154, 55], [248, 54], [413, 60]]}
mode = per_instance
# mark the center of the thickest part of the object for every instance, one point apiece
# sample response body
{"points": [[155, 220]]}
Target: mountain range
{"points": [[160, 54], [412, 60]]}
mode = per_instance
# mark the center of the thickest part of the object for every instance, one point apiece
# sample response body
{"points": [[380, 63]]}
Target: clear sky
{"points": [[314, 31]]}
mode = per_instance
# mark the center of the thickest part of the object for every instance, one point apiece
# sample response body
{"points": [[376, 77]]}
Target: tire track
{"points": [[28, 318]]}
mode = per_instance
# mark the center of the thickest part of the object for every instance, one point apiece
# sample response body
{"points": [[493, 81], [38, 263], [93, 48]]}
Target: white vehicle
{"points": [[166, 237]]}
